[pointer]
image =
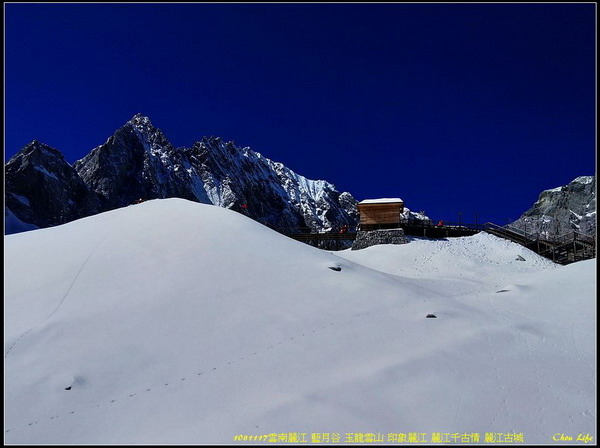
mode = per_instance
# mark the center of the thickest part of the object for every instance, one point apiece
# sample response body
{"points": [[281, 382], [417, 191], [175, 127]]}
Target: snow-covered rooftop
{"points": [[381, 201]]}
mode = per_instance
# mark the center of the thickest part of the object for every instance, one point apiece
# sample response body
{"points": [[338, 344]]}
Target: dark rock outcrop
{"points": [[44, 190], [369, 238]]}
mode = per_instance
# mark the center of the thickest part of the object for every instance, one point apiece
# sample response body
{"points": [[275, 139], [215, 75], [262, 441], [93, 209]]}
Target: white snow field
{"points": [[176, 322]]}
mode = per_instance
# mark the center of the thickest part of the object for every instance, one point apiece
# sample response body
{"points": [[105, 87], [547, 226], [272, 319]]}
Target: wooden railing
{"points": [[563, 249], [412, 228]]}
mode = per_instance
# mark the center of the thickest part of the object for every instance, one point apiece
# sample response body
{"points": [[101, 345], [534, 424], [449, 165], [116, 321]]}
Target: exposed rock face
{"points": [[244, 180], [43, 189], [139, 162], [373, 237], [561, 210]]}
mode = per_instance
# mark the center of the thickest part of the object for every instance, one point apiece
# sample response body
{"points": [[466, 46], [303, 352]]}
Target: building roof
{"points": [[382, 201]]}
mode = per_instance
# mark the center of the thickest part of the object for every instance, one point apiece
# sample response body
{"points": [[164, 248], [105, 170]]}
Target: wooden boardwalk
{"points": [[413, 229], [564, 249], [449, 230]]}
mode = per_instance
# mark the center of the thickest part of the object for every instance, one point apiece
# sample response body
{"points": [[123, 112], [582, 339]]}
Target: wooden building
{"points": [[380, 213]]}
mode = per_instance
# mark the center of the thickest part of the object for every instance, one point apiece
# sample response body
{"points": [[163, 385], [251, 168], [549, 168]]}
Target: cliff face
{"points": [[244, 180], [43, 189], [138, 161], [564, 209]]}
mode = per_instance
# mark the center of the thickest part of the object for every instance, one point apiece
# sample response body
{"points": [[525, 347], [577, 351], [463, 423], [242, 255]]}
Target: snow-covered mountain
{"points": [[411, 217], [244, 180], [138, 161], [562, 210], [140, 326]]}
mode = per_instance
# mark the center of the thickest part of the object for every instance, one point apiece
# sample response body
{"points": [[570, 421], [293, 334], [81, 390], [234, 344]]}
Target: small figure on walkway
{"points": [[440, 223], [344, 228]]}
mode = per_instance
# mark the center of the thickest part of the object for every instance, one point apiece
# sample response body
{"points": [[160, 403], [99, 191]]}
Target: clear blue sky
{"points": [[471, 108]]}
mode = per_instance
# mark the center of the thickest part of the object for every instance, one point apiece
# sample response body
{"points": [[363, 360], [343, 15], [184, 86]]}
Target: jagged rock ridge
{"points": [[138, 161]]}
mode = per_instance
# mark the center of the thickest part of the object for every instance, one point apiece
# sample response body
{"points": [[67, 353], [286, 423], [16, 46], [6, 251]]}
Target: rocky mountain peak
{"points": [[38, 159], [152, 138], [38, 151], [140, 118], [142, 124], [43, 189], [563, 209]]}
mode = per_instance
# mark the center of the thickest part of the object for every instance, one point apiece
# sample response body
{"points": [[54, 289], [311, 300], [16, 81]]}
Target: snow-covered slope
{"points": [[178, 322]]}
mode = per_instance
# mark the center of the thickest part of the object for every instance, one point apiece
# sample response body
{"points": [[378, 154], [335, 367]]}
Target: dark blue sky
{"points": [[470, 108]]}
